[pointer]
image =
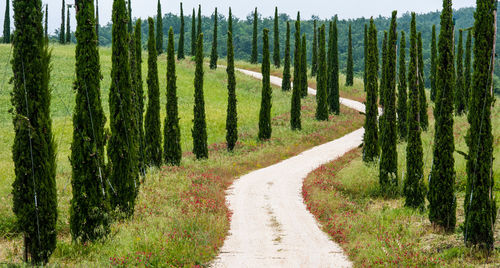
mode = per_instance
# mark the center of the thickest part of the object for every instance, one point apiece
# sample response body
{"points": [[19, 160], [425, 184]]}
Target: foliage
{"points": [[467, 69], [68, 26], [433, 77], [232, 112], [303, 67], [255, 55], [297, 62], [214, 54], [286, 84], [295, 121], [265, 128], [62, 32], [424, 118], [193, 34], [460, 82], [276, 53], [314, 60], [6, 23], [199, 130], [159, 29], [139, 92], [180, 47], [402, 90], [333, 70], [321, 88], [350, 61]]}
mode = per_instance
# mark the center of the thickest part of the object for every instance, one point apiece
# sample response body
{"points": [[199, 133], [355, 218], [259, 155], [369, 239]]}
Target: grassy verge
{"points": [[344, 196], [181, 217]]}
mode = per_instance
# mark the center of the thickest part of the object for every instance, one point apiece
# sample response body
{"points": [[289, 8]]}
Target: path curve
{"points": [[271, 226]]}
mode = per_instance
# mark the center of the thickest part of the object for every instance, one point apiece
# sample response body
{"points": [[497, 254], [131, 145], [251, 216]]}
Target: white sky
{"points": [[241, 8]]}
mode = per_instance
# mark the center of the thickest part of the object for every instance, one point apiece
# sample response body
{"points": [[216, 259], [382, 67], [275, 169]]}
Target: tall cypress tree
{"points": [[193, 34], [295, 110], [46, 22], [370, 139], [303, 68], [62, 31], [159, 29], [402, 90], [433, 64], [350, 61], [365, 55], [297, 62], [254, 59], [97, 21], [199, 130], [330, 72], [134, 133], [480, 206], [460, 83], [89, 214], [214, 55], [314, 61], [139, 94], [442, 207], [414, 188], [467, 69], [172, 131], [152, 123], [383, 73], [68, 26], [276, 55], [285, 83], [6, 23], [230, 22], [130, 27], [232, 112], [321, 94], [180, 49], [389, 156], [424, 118], [122, 155], [265, 129], [199, 26], [33, 152], [333, 93]]}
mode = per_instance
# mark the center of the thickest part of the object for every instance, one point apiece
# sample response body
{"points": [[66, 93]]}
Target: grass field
{"points": [[344, 197], [181, 217]]}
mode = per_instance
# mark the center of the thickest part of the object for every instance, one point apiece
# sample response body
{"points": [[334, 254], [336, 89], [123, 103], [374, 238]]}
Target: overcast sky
{"points": [[241, 8]]}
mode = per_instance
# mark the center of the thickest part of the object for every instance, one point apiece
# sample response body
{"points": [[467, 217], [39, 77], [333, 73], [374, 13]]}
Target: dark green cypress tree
{"points": [[370, 139], [424, 118], [333, 92], [62, 31], [383, 74], [480, 206], [34, 193], [402, 90], [467, 69], [232, 112], [130, 27], [314, 61], [172, 131], [134, 133], [350, 61], [139, 94], [433, 64], [254, 59], [199, 26], [89, 214], [303, 68], [329, 63], [122, 155], [285, 83], [193, 34], [389, 154], [6, 23], [276, 55], [460, 83], [321, 94], [46, 22], [97, 21], [442, 200], [214, 55], [295, 121], [365, 55], [180, 49], [265, 129], [152, 123], [297, 62], [159, 29], [199, 131], [68, 26], [230, 22], [413, 187]]}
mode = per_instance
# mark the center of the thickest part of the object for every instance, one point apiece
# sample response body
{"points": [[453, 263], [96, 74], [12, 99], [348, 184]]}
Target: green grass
{"points": [[181, 218], [344, 196]]}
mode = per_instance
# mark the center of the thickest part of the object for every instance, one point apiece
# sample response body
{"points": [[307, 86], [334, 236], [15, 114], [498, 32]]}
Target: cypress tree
{"points": [[265, 106], [232, 112], [130, 27], [467, 70], [350, 61], [333, 92], [68, 26], [413, 187], [172, 131], [152, 123], [193, 33], [433, 64], [230, 22], [389, 153], [97, 21], [424, 118], [214, 55], [365, 55], [285, 83], [480, 206], [46, 22], [303, 68], [330, 72], [254, 59], [314, 61], [159, 30], [460, 83], [402, 90], [62, 31], [442, 207], [370, 139], [134, 133], [89, 214], [6, 23], [180, 49], [383, 73], [139, 94], [199, 131], [276, 56], [295, 110], [34, 191], [297, 62], [122, 155], [321, 94], [199, 26]]}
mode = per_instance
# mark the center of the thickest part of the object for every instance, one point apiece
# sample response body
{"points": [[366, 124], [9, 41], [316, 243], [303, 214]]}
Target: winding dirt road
{"points": [[271, 226]]}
